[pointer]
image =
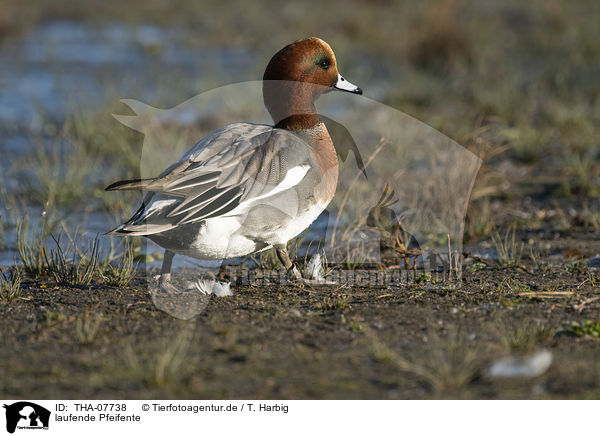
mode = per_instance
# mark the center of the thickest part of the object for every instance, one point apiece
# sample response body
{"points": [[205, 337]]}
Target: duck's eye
{"points": [[323, 63]]}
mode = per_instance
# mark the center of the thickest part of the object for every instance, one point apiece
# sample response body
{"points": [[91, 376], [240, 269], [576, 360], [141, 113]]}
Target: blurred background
{"points": [[515, 82]]}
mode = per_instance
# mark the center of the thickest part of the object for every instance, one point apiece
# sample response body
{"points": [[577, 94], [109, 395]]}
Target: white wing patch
{"points": [[157, 206], [291, 179]]}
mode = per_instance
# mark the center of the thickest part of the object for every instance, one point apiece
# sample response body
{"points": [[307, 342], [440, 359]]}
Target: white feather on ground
{"points": [[314, 268], [531, 365], [220, 289]]}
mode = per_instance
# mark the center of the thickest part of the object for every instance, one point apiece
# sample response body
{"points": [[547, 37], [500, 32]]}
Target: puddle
{"points": [[68, 64]]}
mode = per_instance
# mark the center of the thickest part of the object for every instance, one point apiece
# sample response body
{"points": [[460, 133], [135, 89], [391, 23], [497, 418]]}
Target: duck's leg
{"points": [[284, 258], [292, 269], [165, 270]]}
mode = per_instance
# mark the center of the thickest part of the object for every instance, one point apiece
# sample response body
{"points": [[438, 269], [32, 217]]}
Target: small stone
{"points": [[594, 262], [378, 325]]}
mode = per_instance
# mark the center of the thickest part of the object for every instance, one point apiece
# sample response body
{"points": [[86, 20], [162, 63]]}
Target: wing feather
{"points": [[229, 166]]}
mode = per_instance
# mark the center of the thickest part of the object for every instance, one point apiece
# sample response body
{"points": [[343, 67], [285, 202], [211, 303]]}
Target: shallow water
{"points": [[63, 67]]}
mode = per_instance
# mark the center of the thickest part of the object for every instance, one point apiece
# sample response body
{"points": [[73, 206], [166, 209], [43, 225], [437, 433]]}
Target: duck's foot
{"points": [[164, 280], [177, 297], [165, 284], [199, 286]]}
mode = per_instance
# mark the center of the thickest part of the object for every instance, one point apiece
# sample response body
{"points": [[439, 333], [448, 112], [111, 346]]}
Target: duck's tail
{"points": [[138, 224], [139, 229], [135, 184]]}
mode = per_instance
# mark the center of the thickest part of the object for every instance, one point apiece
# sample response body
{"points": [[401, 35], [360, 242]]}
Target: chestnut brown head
{"points": [[297, 74]]}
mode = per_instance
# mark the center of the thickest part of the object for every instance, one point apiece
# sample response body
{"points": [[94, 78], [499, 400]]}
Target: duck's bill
{"points": [[343, 85]]}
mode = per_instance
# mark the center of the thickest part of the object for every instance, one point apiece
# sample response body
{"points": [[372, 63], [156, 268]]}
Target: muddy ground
{"points": [[413, 341]]}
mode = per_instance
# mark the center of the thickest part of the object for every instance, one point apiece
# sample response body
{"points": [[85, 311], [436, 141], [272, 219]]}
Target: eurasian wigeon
{"points": [[248, 187]]}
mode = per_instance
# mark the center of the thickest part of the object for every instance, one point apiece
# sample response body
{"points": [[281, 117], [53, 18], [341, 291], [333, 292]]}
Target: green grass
{"points": [[11, 213], [10, 285], [447, 362], [51, 318], [31, 251], [517, 286], [480, 219], [578, 267], [585, 328], [581, 175], [87, 327], [527, 144], [165, 365], [508, 248], [337, 302], [524, 337], [73, 267], [62, 173], [591, 216], [124, 271]]}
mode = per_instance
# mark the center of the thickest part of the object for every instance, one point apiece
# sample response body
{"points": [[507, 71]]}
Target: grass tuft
{"points": [[79, 269], [525, 336], [447, 362], [167, 365], [586, 328], [124, 271], [32, 253], [508, 249], [87, 327], [10, 285], [330, 304], [591, 216]]}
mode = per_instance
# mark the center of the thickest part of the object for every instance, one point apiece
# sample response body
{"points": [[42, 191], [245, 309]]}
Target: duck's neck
{"points": [[291, 104], [297, 123], [292, 107]]}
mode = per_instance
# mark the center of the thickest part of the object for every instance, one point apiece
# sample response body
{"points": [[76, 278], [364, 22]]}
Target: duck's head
{"points": [[298, 74]]}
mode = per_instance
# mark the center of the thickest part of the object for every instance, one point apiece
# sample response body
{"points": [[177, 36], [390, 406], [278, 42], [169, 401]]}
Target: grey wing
{"points": [[234, 164], [220, 145]]}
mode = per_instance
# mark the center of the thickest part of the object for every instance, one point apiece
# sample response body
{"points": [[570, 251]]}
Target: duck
{"points": [[246, 188]]}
